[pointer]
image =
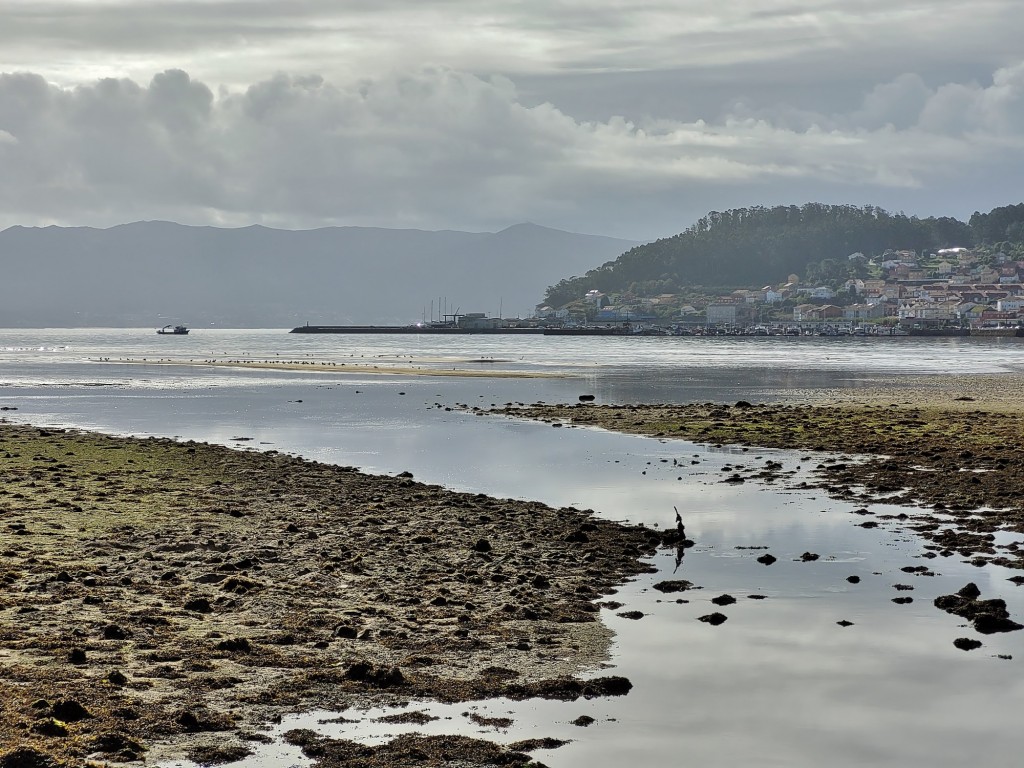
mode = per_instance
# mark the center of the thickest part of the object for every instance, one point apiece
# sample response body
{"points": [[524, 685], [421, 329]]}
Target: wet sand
{"points": [[166, 599]]}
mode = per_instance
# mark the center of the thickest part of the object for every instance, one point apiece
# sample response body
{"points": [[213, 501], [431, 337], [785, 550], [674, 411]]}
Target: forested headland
{"points": [[755, 246]]}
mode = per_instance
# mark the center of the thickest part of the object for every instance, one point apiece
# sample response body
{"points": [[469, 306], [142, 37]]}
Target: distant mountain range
{"points": [[154, 273]]}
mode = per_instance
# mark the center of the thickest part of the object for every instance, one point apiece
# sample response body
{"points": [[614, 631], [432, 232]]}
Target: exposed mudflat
{"points": [[164, 599]]}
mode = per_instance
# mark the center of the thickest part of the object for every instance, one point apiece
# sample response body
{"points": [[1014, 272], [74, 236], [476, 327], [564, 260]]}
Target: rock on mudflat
{"points": [[114, 632], [199, 605], [70, 711], [966, 643], [25, 757], [714, 619], [677, 585], [988, 616]]}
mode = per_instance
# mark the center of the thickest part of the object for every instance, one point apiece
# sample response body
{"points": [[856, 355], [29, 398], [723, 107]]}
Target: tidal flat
{"points": [[806, 663], [179, 595]]}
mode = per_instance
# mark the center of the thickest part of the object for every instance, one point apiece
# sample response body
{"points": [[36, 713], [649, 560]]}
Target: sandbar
{"points": [[384, 369]]}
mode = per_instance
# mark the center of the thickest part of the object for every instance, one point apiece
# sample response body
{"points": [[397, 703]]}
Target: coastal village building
{"points": [[993, 317], [860, 312], [970, 311], [722, 314], [813, 313], [1010, 305], [544, 312], [478, 321], [801, 312], [624, 314], [930, 311]]}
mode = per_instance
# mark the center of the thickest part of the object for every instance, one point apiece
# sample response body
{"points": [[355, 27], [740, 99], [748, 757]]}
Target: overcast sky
{"points": [[622, 117]]}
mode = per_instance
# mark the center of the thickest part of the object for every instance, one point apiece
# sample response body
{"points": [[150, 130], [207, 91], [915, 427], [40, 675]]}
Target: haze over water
{"points": [[780, 683]]}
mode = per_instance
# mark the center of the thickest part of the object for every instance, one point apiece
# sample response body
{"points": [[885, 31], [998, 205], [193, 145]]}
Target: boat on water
{"points": [[173, 330]]}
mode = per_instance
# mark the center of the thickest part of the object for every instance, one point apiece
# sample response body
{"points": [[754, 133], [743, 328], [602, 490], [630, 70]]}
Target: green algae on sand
{"points": [[181, 595]]}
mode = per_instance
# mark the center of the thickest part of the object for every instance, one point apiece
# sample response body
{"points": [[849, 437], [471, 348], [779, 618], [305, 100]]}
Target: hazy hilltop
{"points": [[153, 273]]}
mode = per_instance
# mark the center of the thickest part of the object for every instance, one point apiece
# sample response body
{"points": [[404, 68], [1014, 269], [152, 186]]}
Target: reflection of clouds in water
{"points": [[781, 684]]}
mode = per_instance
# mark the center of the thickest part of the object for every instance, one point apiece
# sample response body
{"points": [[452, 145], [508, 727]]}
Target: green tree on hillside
{"points": [[756, 246]]}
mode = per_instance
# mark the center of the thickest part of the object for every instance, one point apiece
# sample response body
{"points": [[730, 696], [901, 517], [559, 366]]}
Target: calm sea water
{"points": [[780, 683]]}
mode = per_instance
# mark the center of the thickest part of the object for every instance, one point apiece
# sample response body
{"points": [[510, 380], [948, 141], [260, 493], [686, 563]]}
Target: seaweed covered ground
{"points": [[165, 599]]}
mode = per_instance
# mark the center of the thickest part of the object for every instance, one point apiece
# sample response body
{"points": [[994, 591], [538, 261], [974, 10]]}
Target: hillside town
{"points": [[952, 289]]}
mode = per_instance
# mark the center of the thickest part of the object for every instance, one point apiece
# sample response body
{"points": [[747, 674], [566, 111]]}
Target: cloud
{"points": [[898, 103], [440, 148], [226, 41]]}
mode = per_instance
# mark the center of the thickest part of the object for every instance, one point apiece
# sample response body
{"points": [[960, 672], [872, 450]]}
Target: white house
{"points": [[927, 311], [801, 312]]}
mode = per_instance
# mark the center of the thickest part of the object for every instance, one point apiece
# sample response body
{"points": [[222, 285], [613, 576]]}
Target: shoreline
{"points": [[183, 595], [325, 367]]}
